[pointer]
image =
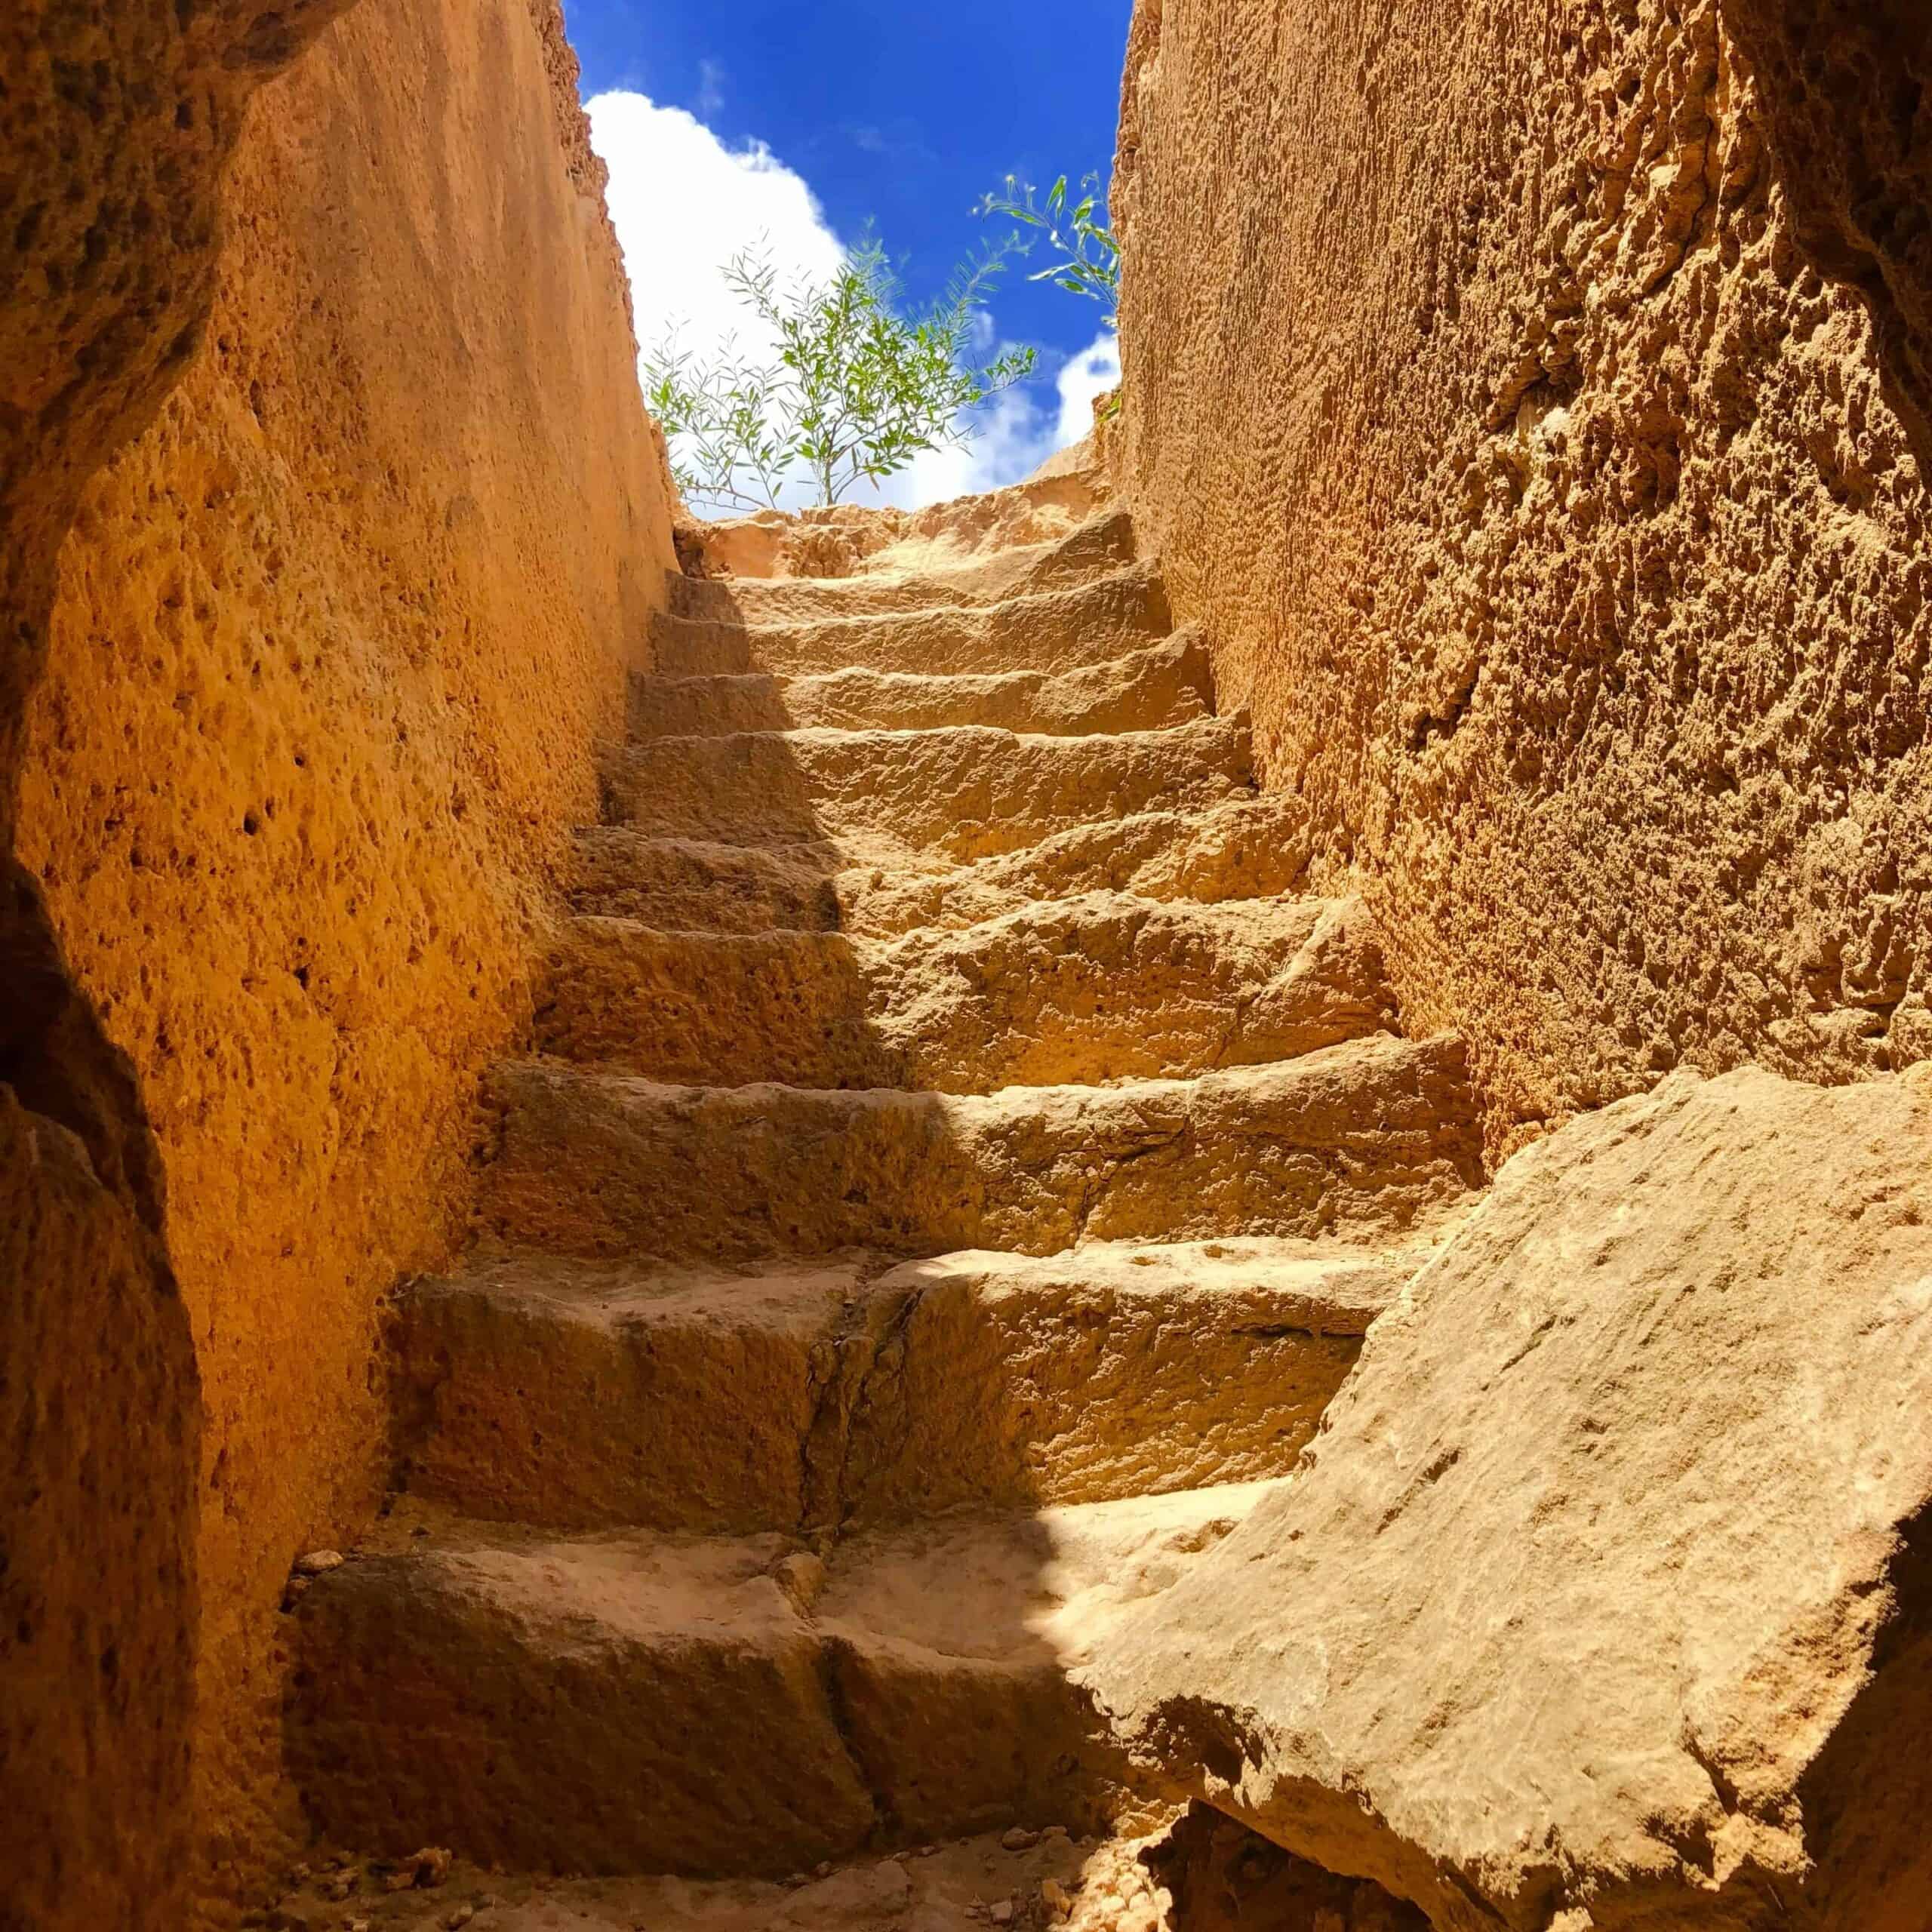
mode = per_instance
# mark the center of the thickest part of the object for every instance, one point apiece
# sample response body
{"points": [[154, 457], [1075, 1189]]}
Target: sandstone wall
{"points": [[115, 118], [1532, 405], [333, 641]]}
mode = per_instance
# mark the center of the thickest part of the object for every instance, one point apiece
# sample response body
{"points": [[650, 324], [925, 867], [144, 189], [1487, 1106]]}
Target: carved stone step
{"points": [[1367, 1140], [1103, 987], [965, 792], [645, 1704], [1098, 548], [1054, 630], [1164, 684], [804, 1396], [1245, 847]]}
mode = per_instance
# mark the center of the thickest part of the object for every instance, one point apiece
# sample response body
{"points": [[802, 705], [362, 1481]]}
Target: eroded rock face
{"points": [[1843, 89], [116, 118], [332, 644], [1602, 1599], [1533, 418]]}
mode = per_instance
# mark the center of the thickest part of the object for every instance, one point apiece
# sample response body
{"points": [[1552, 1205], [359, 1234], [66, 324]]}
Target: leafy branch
{"points": [[856, 392], [1076, 228]]}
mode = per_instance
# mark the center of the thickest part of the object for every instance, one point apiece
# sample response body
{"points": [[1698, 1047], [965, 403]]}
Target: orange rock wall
{"points": [[333, 642], [1532, 406], [116, 118]]}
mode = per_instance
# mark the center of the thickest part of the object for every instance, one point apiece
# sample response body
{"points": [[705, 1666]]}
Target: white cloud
{"points": [[1017, 431], [683, 205], [1086, 378]]}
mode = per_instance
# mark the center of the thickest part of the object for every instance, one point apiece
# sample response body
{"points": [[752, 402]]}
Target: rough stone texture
{"points": [[609, 1706], [1105, 986], [1842, 92], [595, 1395], [1245, 848], [966, 792], [976, 541], [1608, 1571], [940, 1888], [1121, 1370], [1199, 1872], [958, 562], [98, 1398], [632, 1703], [1220, 1877], [699, 885], [1148, 691], [1532, 411], [801, 1397], [332, 644], [1365, 1140], [116, 118], [1056, 629]]}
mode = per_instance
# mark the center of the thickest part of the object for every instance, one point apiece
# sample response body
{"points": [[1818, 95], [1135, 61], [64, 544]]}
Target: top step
{"points": [[1103, 545]]}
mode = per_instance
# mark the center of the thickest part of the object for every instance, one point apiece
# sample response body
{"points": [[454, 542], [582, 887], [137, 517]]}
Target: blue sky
{"points": [[901, 115]]}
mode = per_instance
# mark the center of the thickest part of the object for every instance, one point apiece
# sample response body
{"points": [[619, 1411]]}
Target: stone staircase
{"points": [[953, 1173]]}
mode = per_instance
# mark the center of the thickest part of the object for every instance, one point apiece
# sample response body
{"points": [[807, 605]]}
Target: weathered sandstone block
{"points": [[1602, 1599], [966, 792], [1145, 689], [1246, 847], [789, 1396], [1102, 987], [1052, 630], [653, 1704], [1370, 1138]]}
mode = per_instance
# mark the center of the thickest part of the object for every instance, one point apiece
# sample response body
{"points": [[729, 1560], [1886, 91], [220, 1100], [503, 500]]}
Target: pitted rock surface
{"points": [[1544, 452]]}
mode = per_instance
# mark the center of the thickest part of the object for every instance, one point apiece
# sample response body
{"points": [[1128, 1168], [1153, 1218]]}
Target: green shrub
{"points": [[858, 389]]}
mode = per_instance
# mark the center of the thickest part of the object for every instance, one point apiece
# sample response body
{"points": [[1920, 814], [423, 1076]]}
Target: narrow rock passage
{"points": [[954, 1172]]}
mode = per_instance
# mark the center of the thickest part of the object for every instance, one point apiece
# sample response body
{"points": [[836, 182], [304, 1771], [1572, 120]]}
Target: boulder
{"points": [[1602, 1597]]}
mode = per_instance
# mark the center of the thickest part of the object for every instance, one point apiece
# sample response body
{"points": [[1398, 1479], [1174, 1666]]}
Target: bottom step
{"points": [[1191, 1870], [1048, 1879], [725, 1706]]}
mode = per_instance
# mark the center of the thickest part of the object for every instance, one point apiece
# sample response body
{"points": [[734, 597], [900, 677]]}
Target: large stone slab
{"points": [[1148, 690], [1602, 1600], [946, 576], [1247, 846], [724, 1706], [1055, 629], [801, 1396]]}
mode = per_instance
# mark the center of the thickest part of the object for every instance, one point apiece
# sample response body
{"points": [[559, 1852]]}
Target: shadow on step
{"points": [[1866, 1796], [1223, 1877]]}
